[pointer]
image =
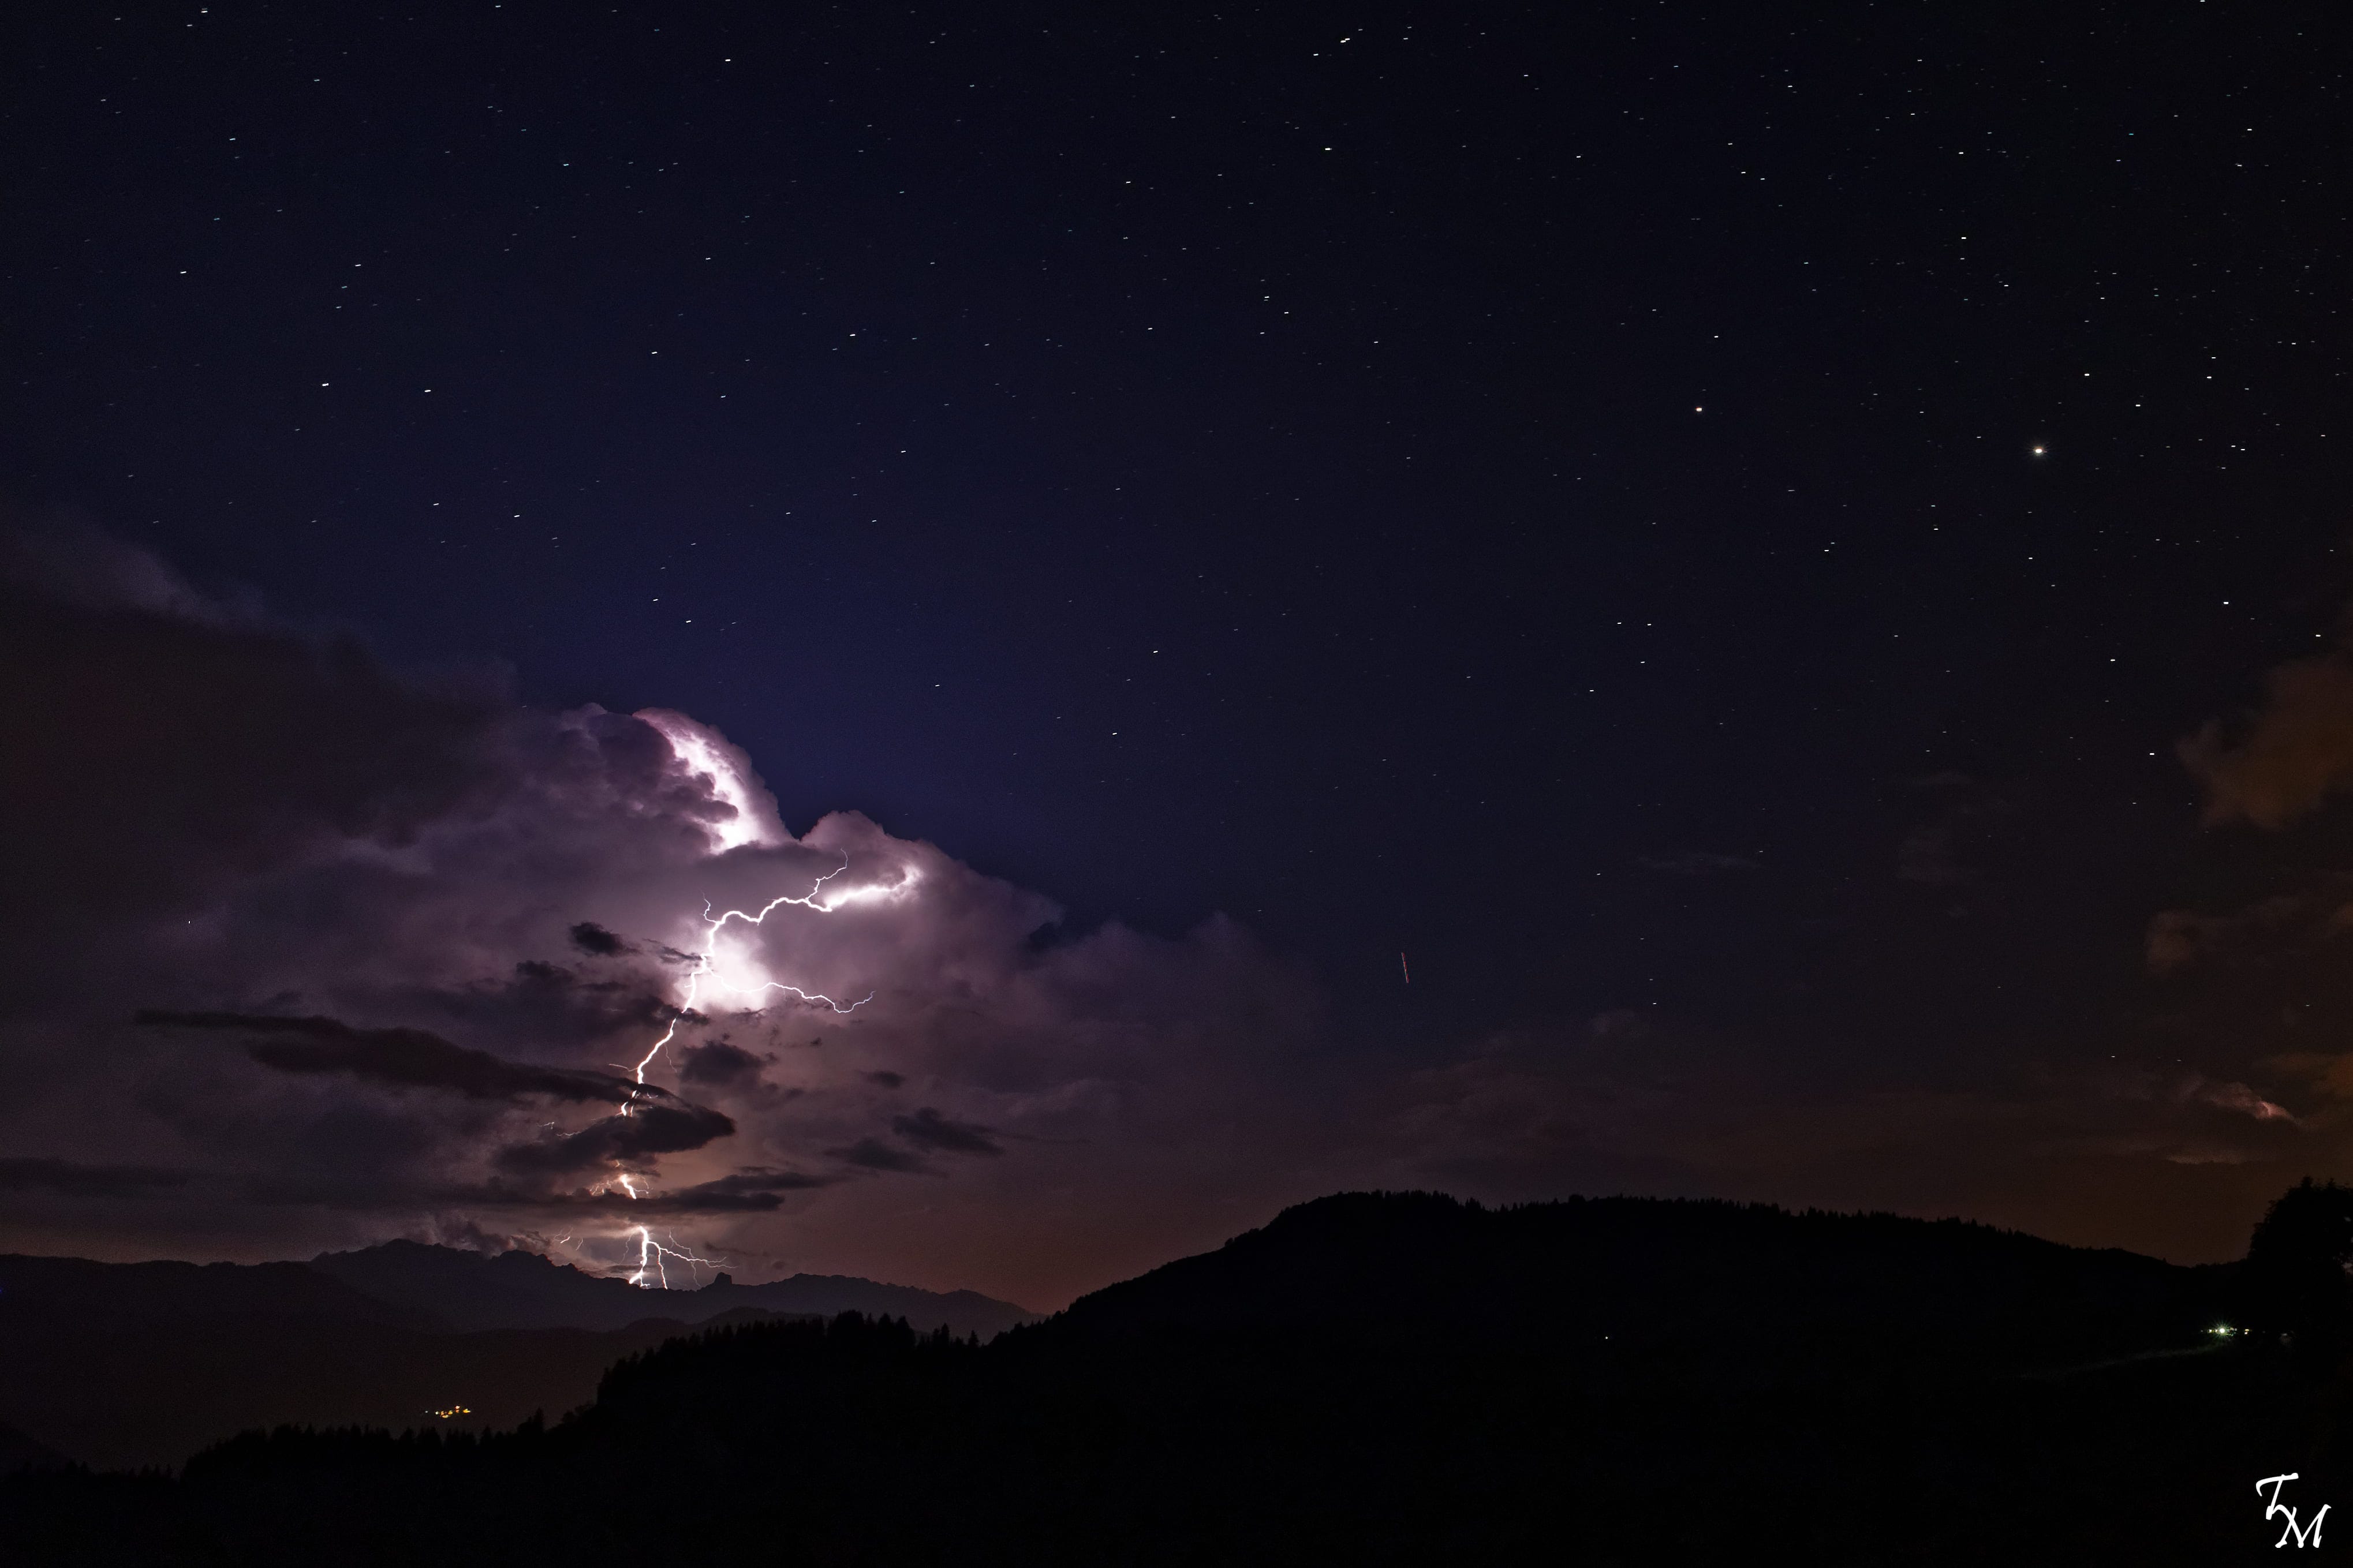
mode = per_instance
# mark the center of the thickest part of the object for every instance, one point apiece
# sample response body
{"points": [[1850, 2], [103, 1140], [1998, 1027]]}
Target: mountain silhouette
{"points": [[1371, 1378], [78, 1289], [523, 1290]]}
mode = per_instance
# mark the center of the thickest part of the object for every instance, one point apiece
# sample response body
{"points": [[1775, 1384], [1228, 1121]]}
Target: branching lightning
{"points": [[651, 1254], [706, 962], [654, 1255]]}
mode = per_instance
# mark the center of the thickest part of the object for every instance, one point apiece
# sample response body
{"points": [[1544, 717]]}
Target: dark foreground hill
{"points": [[126, 1365], [1391, 1379], [1643, 1272]]}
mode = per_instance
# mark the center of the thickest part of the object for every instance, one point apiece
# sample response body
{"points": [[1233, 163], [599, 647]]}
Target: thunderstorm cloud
{"points": [[306, 952], [326, 951]]}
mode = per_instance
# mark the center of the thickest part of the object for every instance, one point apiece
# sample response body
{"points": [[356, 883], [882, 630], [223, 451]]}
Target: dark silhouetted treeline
{"points": [[1370, 1379]]}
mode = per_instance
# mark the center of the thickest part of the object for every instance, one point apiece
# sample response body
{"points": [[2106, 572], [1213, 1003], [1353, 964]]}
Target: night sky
{"points": [[1786, 561]]}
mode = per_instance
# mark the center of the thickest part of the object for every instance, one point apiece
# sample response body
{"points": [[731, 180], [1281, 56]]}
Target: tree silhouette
{"points": [[2299, 1277]]}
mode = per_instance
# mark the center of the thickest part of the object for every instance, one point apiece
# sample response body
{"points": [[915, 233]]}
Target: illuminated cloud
{"points": [[2296, 751], [2237, 1097], [435, 924], [741, 811]]}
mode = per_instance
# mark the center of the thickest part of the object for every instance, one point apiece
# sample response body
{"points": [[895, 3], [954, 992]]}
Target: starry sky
{"points": [[1785, 564]]}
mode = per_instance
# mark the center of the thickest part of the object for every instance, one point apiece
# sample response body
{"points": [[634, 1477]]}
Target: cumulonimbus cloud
{"points": [[438, 919]]}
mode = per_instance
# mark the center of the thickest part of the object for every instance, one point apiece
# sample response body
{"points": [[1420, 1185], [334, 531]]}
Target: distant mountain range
{"points": [[132, 1365], [469, 1290]]}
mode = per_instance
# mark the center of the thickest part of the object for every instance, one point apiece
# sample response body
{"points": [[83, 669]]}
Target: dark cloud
{"points": [[928, 1129], [465, 1234], [753, 1189], [182, 741], [873, 1154], [400, 1059], [887, 1079], [625, 1140], [539, 1003], [718, 1062], [747, 1192], [2290, 755], [591, 938], [2177, 937], [66, 1179], [757, 1190]]}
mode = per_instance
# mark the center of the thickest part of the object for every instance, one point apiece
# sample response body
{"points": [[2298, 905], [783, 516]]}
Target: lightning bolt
{"points": [[653, 1256], [705, 962]]}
